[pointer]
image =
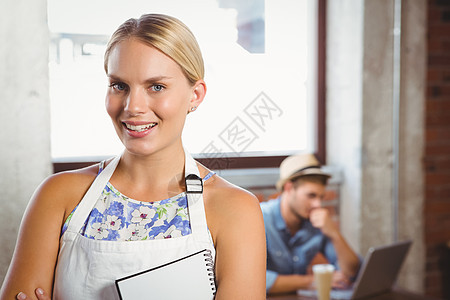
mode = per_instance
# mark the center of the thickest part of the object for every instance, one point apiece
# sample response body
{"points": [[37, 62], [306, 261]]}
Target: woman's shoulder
{"points": [[232, 211], [72, 178], [66, 188], [226, 193], [227, 203], [220, 192]]}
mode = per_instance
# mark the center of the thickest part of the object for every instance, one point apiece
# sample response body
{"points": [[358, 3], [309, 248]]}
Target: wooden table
{"points": [[393, 295]]}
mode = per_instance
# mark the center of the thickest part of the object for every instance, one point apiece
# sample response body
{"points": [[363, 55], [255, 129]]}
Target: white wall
{"points": [[24, 97], [344, 107]]}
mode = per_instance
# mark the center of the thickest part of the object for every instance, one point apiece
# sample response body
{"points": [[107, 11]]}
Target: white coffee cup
{"points": [[323, 275]]}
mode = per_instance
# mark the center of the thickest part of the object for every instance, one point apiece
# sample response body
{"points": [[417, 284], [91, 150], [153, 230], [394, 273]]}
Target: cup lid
{"points": [[322, 268]]}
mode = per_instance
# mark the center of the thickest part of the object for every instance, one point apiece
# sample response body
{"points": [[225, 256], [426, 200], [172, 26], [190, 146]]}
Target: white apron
{"points": [[87, 268]]}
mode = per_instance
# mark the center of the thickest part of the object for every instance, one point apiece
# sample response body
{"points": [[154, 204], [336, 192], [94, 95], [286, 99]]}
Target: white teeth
{"points": [[140, 128]]}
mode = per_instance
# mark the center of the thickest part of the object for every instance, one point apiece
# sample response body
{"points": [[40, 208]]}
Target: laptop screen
{"points": [[380, 269]]}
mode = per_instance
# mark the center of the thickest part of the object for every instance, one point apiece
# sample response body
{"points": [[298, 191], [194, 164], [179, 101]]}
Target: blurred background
{"points": [[364, 84]]}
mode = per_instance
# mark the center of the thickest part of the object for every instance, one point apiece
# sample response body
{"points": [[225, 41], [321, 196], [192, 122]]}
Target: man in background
{"points": [[298, 228]]}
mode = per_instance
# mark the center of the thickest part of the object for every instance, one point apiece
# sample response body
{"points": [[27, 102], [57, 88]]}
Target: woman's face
{"points": [[148, 97]]}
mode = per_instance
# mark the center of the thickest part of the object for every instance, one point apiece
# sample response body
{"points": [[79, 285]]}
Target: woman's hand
{"points": [[40, 294]]}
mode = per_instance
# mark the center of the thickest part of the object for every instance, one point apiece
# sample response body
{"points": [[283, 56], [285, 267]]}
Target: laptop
{"points": [[377, 274]]}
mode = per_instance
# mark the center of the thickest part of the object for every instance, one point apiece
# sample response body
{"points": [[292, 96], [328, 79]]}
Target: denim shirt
{"points": [[288, 254]]}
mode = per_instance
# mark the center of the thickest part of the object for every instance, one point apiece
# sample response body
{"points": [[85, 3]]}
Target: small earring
{"points": [[193, 108]]}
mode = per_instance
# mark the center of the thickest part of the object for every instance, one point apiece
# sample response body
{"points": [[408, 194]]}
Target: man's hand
{"points": [[40, 294], [340, 281], [320, 218]]}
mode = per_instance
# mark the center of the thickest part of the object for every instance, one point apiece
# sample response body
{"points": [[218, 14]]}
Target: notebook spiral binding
{"points": [[210, 268]]}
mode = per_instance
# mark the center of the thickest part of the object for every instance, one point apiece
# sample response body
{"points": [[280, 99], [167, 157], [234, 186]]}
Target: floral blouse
{"points": [[115, 217]]}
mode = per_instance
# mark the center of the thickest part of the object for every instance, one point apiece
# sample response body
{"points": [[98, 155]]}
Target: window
{"points": [[260, 58]]}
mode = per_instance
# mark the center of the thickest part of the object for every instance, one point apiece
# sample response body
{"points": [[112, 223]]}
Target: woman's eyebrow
{"points": [[148, 80], [158, 78], [113, 77]]}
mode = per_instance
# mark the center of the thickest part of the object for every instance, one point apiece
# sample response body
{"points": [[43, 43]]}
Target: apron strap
{"points": [[194, 194], [90, 198]]}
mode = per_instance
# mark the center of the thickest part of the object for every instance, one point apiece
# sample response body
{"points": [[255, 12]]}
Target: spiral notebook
{"points": [[190, 277]]}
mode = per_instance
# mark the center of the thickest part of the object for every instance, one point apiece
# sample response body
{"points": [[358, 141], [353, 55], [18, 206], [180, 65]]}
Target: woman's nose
{"points": [[136, 103]]}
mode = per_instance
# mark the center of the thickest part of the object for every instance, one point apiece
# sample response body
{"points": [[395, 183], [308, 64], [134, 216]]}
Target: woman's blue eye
{"points": [[118, 86], [157, 88]]}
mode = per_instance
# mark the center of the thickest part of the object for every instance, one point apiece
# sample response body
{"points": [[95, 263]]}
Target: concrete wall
{"points": [[377, 128], [25, 114], [360, 123], [360, 128], [412, 140]]}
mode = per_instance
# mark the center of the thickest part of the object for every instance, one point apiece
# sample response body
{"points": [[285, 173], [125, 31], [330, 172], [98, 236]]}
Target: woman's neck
{"points": [[156, 176]]}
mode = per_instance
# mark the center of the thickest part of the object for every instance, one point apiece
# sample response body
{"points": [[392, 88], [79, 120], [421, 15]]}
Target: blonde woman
{"points": [[85, 228]]}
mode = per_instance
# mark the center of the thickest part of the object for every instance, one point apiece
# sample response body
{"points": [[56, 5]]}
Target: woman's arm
{"points": [[238, 231], [35, 255]]}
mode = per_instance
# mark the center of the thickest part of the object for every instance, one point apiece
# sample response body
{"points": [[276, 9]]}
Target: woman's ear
{"points": [[198, 94]]}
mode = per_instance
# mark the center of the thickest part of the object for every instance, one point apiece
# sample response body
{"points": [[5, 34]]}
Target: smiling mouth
{"points": [[140, 128]]}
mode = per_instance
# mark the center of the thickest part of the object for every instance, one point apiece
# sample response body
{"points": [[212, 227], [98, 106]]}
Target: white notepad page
{"points": [[190, 277]]}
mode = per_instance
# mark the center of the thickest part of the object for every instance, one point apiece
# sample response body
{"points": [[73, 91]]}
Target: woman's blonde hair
{"points": [[167, 34]]}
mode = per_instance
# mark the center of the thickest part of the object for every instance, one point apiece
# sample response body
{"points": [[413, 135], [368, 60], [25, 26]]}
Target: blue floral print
{"points": [[116, 217]]}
